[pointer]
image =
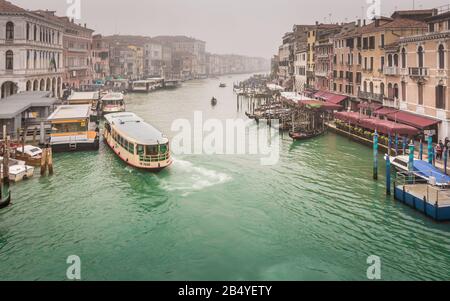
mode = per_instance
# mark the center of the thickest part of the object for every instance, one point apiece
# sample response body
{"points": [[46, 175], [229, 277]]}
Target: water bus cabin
{"points": [[136, 142], [145, 86], [172, 84], [72, 129], [113, 103], [84, 98]]}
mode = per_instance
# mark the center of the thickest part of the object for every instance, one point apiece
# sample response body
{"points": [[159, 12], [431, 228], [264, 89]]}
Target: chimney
{"points": [[317, 23], [85, 25], [359, 22], [377, 22], [72, 20], [364, 22]]}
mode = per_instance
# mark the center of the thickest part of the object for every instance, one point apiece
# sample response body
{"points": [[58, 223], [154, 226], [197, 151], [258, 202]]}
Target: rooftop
{"points": [[71, 112], [8, 7], [134, 128], [84, 96], [14, 105]]}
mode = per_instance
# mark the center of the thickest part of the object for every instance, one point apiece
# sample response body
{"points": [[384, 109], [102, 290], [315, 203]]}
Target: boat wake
{"points": [[188, 178]]}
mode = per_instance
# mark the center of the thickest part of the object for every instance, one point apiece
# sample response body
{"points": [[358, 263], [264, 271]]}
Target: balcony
{"points": [[391, 71], [418, 72], [391, 103], [371, 96], [441, 73], [310, 74], [322, 73]]}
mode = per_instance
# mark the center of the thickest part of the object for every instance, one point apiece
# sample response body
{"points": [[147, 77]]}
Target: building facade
{"points": [[31, 51], [100, 58]]}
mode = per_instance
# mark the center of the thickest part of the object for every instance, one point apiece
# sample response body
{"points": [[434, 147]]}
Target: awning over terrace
{"points": [[384, 111], [416, 121], [316, 104], [382, 126], [330, 97], [370, 106]]}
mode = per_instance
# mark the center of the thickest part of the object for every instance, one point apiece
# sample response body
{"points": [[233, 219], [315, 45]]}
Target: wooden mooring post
{"points": [[5, 194], [375, 156], [47, 161]]}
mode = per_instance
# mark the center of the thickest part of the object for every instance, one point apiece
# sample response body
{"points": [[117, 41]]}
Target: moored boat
{"points": [[72, 129], [222, 85], [17, 170], [299, 136], [136, 142], [113, 103], [32, 155]]}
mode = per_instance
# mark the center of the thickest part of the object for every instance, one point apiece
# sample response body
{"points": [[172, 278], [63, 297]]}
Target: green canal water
{"points": [[316, 215]]}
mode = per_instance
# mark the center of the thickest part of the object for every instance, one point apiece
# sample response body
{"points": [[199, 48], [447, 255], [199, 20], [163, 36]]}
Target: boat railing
{"points": [[154, 158]]}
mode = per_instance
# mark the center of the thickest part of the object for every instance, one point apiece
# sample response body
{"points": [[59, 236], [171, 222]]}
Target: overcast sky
{"points": [[248, 27]]}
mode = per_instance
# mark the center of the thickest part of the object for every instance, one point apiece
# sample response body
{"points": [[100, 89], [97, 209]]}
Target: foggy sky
{"points": [[247, 27]]}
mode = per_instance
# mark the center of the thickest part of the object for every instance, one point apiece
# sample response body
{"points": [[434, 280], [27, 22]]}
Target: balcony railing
{"points": [[391, 103], [418, 72], [391, 71], [371, 96], [322, 73], [441, 73]]}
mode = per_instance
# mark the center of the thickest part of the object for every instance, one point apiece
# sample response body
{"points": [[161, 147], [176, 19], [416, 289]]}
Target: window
{"points": [[431, 27], [403, 58], [420, 93], [382, 63], [395, 60], [9, 60], [404, 91], [359, 59], [28, 31], [382, 40], [371, 64], [440, 97], [420, 56], [9, 31], [371, 87], [396, 91], [372, 43], [35, 32], [382, 88], [441, 55]]}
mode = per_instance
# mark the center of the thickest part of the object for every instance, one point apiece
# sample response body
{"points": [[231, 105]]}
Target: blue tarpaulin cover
{"points": [[427, 170]]}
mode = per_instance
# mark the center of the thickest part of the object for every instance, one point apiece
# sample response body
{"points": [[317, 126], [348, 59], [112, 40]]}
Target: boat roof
{"points": [[113, 96], [84, 96], [71, 112], [135, 128]]}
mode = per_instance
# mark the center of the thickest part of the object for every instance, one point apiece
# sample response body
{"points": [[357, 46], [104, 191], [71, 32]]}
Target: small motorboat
{"points": [[214, 101], [299, 136], [32, 155], [222, 85], [18, 170]]}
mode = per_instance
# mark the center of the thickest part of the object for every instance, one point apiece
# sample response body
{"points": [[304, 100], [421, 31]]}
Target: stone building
{"points": [[100, 58], [31, 51]]}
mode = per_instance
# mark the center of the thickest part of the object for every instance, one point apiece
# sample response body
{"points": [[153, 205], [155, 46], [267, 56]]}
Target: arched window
{"points": [[420, 56], [396, 60], [382, 89], [403, 58], [28, 31], [390, 60], [440, 97], [396, 91], [365, 86], [441, 55], [9, 60], [390, 91], [371, 87], [9, 31]]}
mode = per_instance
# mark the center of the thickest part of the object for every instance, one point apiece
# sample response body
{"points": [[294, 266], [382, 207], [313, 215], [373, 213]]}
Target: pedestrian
{"points": [[439, 150]]}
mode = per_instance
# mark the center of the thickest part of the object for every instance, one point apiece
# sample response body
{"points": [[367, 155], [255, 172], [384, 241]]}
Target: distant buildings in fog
{"points": [[40, 51]]}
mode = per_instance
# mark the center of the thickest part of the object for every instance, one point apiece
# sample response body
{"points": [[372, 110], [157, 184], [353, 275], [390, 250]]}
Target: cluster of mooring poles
{"points": [[411, 147]]}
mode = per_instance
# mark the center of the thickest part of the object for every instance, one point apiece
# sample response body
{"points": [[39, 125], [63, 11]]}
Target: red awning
{"points": [[330, 97], [352, 117], [388, 127], [385, 111], [416, 121]]}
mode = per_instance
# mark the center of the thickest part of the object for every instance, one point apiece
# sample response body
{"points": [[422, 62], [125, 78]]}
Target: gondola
{"points": [[5, 203], [222, 85], [300, 136], [213, 101]]}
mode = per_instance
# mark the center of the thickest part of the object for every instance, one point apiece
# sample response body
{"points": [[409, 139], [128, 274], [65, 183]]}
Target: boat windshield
{"points": [[73, 127]]}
